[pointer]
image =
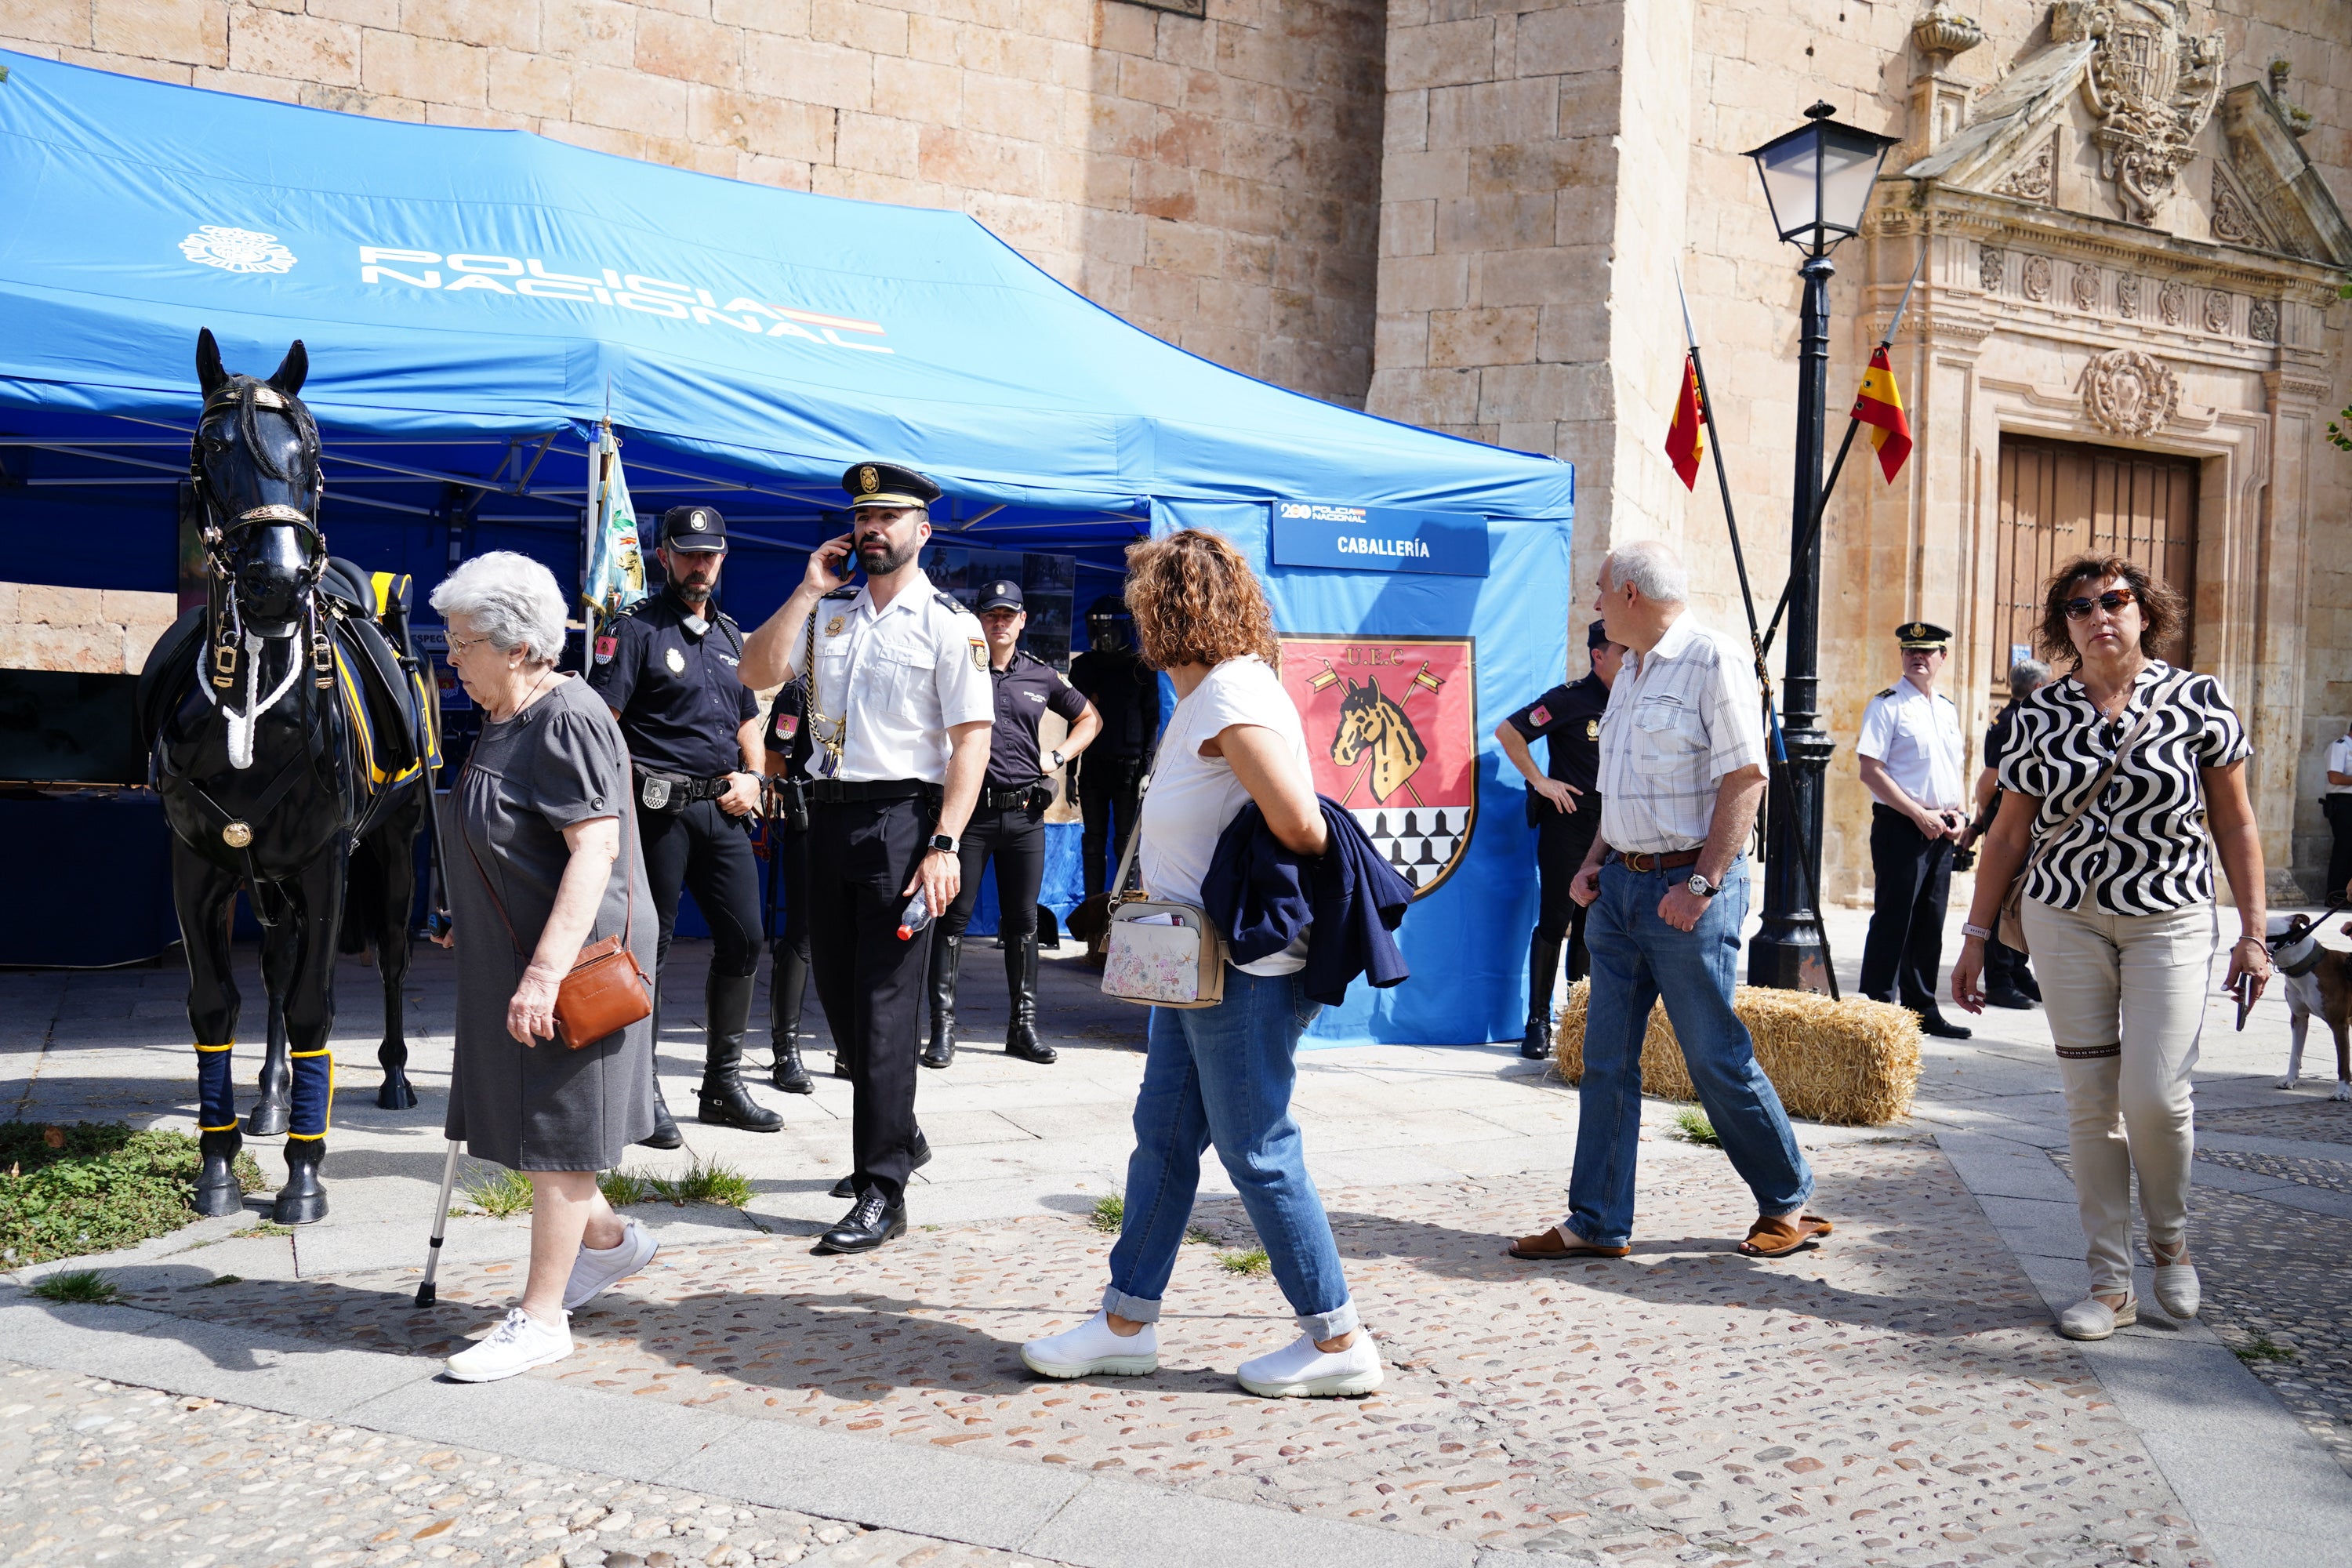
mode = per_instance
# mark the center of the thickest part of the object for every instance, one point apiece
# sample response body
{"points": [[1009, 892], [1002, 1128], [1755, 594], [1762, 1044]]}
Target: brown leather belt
{"points": [[1634, 860]]}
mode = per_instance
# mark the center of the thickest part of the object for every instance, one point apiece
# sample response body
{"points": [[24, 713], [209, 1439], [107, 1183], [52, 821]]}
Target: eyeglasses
{"points": [[2112, 601], [459, 644]]}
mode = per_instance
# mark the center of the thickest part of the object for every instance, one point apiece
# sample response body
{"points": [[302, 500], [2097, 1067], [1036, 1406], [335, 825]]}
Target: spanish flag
{"points": [[1879, 404], [1686, 436]]}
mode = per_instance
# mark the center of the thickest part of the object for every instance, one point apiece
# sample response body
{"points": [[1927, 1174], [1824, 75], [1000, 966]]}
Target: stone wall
{"points": [[89, 630], [1210, 180]]}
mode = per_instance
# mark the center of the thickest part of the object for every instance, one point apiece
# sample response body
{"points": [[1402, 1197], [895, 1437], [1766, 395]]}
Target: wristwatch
{"points": [[1056, 754], [1699, 885], [944, 843]]}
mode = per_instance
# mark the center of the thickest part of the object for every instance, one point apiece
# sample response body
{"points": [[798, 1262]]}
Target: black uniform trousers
{"points": [[1106, 791], [1905, 949], [1562, 840], [862, 855], [2338, 809], [704, 849], [791, 927], [1016, 839]]}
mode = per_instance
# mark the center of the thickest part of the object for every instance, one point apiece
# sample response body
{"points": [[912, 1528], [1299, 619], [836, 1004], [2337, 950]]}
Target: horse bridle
{"points": [[220, 538]]}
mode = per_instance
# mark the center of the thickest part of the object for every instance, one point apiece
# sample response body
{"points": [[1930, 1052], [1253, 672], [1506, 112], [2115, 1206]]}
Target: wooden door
{"points": [[2064, 499]]}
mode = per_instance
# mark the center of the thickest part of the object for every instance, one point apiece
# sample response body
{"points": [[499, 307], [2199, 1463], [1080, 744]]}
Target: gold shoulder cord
{"points": [[817, 720]]}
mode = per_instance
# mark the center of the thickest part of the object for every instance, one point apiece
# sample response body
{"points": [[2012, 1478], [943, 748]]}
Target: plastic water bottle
{"points": [[916, 917]]}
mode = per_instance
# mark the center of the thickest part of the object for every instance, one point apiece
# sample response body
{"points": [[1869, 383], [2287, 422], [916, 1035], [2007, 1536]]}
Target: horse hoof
{"points": [[215, 1196], [303, 1199], [396, 1094], [266, 1121]]}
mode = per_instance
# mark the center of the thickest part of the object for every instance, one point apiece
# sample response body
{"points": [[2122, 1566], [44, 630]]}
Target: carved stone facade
{"points": [[2130, 393]]}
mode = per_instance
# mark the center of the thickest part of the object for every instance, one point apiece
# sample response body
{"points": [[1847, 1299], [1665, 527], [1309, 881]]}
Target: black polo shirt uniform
{"points": [[1125, 692], [1008, 826], [681, 707], [1568, 720], [2007, 976]]}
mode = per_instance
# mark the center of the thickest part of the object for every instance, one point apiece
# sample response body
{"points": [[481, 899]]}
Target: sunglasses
{"points": [[2112, 601]]}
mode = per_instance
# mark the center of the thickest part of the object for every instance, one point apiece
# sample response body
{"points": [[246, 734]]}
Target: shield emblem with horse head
{"points": [[1391, 733]]}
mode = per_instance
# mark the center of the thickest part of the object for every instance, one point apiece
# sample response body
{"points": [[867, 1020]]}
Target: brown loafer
{"points": [[1779, 1237], [1555, 1246]]}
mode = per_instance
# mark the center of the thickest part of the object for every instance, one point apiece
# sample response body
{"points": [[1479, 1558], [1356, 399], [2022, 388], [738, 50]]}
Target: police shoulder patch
{"points": [[978, 653], [1539, 714], [607, 646]]}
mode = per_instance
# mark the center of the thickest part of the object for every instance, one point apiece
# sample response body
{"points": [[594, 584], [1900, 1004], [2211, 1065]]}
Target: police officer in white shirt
{"points": [[1912, 761], [900, 710]]}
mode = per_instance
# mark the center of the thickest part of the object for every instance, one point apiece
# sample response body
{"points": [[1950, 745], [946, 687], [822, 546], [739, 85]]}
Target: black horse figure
{"points": [[289, 741]]}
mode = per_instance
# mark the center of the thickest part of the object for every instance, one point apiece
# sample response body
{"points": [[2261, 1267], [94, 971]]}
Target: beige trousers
{"points": [[2126, 997]]}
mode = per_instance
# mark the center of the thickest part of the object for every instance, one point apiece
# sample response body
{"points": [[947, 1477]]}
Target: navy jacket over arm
{"points": [[1262, 896]]}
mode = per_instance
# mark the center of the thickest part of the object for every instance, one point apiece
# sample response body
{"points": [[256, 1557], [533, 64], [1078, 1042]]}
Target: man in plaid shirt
{"points": [[1681, 774]]}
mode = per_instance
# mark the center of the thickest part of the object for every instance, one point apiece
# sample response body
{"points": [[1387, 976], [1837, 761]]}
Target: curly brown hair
{"points": [[2161, 611], [1196, 601]]}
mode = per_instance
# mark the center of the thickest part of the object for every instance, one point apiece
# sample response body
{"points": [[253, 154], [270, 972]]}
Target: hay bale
{"points": [[1853, 1062]]}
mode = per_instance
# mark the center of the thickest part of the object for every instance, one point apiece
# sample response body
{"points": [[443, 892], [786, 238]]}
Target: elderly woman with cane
{"points": [[2113, 778], [539, 865]]}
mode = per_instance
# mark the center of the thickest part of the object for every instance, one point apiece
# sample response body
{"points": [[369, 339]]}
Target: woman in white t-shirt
{"points": [[1220, 1075]]}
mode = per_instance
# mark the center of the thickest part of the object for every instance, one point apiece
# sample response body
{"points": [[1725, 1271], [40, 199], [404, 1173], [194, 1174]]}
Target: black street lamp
{"points": [[1817, 181]]}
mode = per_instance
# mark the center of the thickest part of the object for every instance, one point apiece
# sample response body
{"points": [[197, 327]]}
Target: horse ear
{"points": [[291, 369], [211, 374]]}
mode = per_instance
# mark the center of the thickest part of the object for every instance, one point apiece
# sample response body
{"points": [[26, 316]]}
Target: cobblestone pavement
{"points": [[2310, 1120], [95, 1472], [1896, 1396]]}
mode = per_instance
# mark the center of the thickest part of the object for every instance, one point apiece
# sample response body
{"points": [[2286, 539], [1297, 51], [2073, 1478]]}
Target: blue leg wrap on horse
{"points": [[216, 1089], [313, 1097]]}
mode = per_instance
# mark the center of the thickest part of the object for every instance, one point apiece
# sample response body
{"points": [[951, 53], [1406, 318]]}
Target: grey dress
{"points": [[542, 1108]]}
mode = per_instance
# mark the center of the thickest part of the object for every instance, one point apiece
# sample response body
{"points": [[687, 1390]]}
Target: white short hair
{"points": [[508, 598], [1652, 566]]}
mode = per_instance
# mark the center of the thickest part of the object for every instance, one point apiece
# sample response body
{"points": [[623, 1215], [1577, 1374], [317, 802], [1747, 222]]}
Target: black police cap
{"points": [[886, 484], [1001, 596], [1596, 637], [694, 528]]}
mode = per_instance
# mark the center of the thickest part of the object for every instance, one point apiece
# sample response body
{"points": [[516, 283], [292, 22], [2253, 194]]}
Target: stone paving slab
{"points": [[95, 1471], [1895, 1396]]}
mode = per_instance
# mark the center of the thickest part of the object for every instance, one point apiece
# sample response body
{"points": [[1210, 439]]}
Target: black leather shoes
{"points": [[2009, 997], [1935, 1024], [869, 1223]]}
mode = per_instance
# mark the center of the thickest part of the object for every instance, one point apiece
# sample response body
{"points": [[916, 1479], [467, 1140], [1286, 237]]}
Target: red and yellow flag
{"points": [[1686, 436], [1879, 405]]}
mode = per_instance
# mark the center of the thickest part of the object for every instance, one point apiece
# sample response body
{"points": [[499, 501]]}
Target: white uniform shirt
{"points": [[898, 676], [1680, 718], [1918, 739], [2339, 761]]}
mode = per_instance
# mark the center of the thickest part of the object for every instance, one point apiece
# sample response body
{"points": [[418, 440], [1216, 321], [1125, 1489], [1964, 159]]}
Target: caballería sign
{"points": [[1393, 736], [1379, 539]]}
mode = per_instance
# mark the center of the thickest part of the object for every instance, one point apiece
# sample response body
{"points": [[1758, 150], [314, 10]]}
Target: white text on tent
{"points": [[529, 277]]}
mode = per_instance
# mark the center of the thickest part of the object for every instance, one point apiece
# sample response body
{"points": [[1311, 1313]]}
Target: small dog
{"points": [[2318, 984]]}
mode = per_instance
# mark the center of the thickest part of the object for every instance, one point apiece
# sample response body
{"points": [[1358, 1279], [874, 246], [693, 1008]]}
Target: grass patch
{"points": [[224, 1280], [1692, 1126], [1109, 1213], [265, 1227], [703, 1181], [94, 1187], [2261, 1348], [81, 1288], [1200, 1236], [1254, 1261], [501, 1194]]}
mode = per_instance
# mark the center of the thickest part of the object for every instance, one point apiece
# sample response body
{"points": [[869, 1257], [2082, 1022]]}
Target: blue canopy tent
{"points": [[474, 301]]}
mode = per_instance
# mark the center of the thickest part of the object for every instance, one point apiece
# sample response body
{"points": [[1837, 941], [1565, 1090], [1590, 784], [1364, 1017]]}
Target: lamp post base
{"points": [[1787, 954]]}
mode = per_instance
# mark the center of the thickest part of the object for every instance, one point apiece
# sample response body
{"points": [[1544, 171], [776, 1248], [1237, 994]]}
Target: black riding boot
{"points": [[727, 1001], [665, 1134], [787, 986], [946, 965], [1543, 963], [1021, 990]]}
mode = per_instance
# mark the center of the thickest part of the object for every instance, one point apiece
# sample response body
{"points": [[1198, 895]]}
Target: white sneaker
{"points": [[598, 1269], [1091, 1348], [2091, 1318], [1299, 1371], [516, 1345]]}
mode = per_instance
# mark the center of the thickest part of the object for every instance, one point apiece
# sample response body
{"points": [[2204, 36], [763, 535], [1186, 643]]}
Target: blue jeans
{"points": [[1223, 1074], [1637, 957]]}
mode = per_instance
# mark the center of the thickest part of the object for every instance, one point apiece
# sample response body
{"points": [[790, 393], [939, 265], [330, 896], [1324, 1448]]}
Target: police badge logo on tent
{"points": [[1391, 733], [237, 250]]}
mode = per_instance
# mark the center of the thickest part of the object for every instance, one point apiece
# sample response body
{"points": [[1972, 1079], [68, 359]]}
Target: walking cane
{"points": [[424, 1292]]}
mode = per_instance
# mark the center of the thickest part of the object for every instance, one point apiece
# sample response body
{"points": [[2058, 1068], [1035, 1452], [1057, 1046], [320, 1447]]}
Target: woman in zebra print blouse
{"points": [[2118, 906]]}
